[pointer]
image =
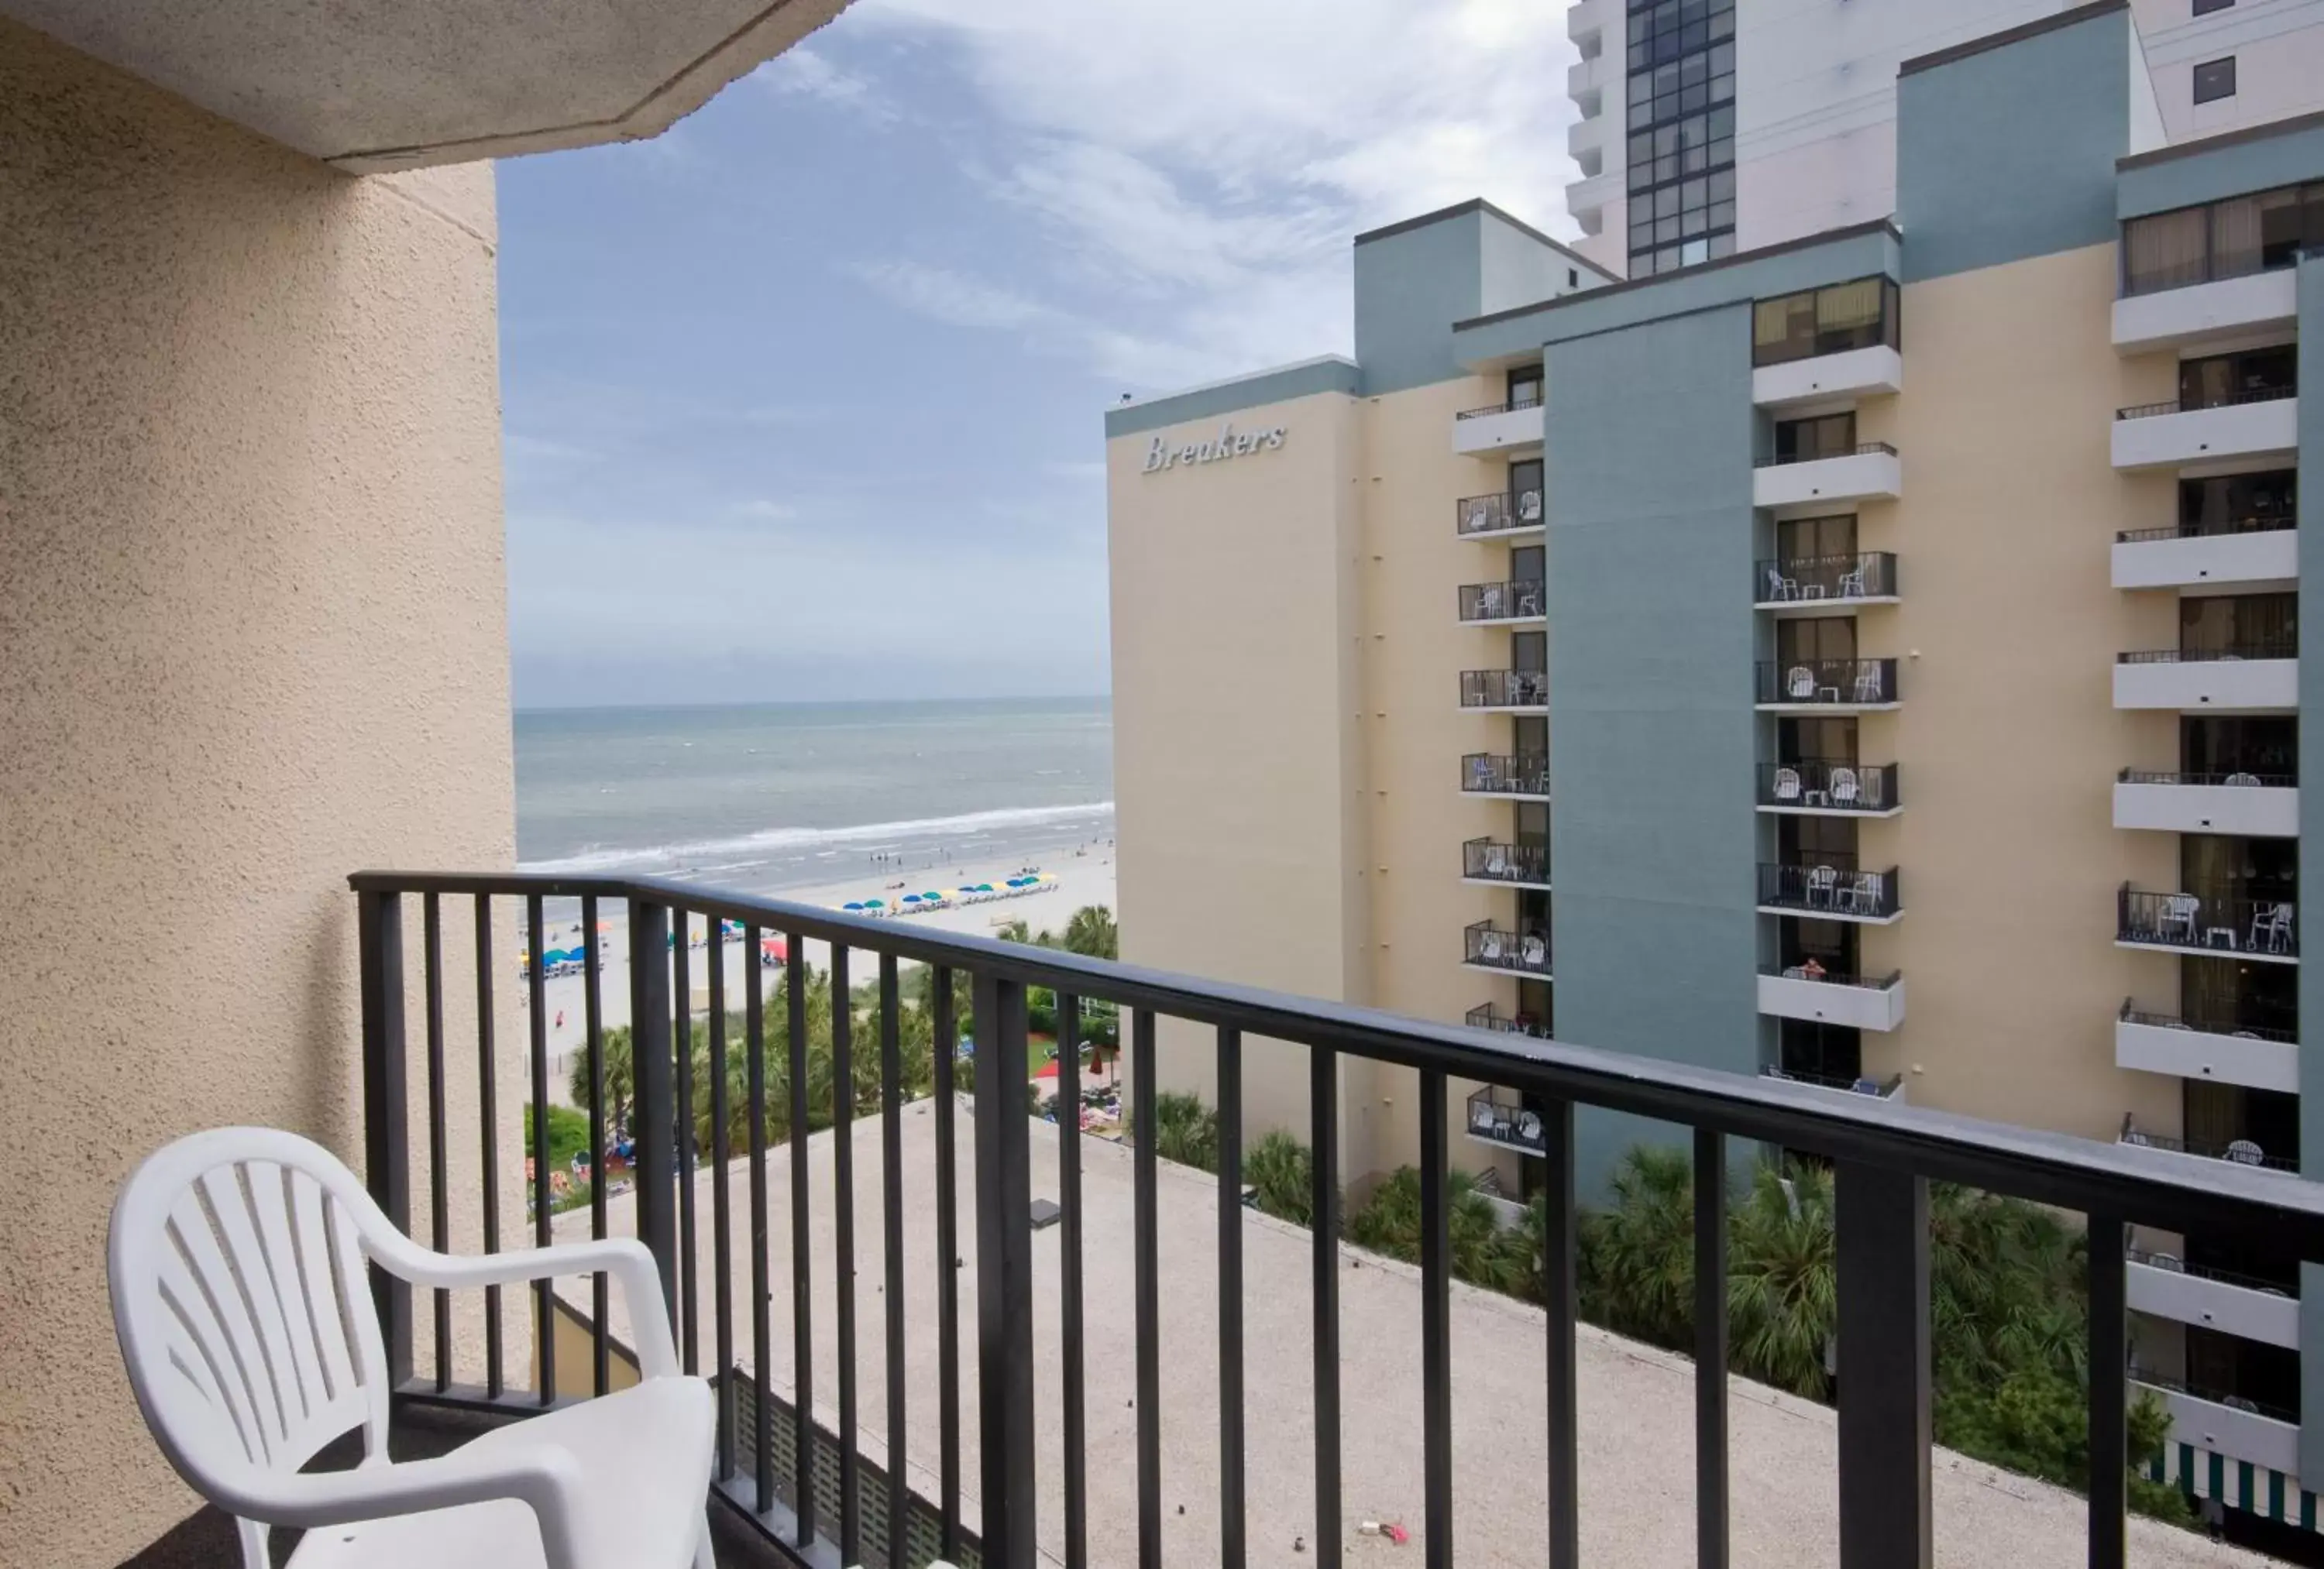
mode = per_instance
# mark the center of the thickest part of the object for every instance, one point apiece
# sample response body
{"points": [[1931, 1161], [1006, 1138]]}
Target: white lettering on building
{"points": [[1229, 442]]}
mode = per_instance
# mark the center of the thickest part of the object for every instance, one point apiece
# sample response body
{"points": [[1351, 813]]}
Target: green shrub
{"points": [[1185, 1131], [1279, 1168]]}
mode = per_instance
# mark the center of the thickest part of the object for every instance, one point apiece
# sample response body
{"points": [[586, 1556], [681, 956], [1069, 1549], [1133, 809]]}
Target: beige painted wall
{"points": [[1237, 758], [251, 637], [2008, 736]]}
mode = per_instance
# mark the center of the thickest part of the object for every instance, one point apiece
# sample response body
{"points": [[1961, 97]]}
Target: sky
{"points": [[802, 400]]}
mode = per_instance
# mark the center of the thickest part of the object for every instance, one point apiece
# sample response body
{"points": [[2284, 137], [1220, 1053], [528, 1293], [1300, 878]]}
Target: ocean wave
{"points": [[692, 855]]}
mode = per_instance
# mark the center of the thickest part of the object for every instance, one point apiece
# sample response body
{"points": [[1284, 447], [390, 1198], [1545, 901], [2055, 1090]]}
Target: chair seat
{"points": [[646, 1452]]}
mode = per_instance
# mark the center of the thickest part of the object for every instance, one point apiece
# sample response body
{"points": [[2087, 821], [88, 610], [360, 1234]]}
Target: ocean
{"points": [[762, 798]]}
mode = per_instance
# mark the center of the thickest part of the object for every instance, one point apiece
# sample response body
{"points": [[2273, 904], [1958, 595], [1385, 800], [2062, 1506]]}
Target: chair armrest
{"points": [[548, 1481], [623, 1258]]}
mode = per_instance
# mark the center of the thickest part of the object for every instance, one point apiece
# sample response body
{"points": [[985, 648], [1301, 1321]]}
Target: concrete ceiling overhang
{"points": [[374, 85]]}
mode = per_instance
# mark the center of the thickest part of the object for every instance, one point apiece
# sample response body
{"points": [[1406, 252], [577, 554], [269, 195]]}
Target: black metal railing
{"points": [[2212, 528], [2174, 1264], [1497, 512], [1521, 601], [1499, 1117], [2209, 1023], [1817, 454], [1847, 682], [1827, 888], [2240, 1152], [1878, 1089], [1813, 970], [2218, 400], [2237, 779], [1489, 1016], [2217, 1396], [1831, 786], [2257, 649], [1511, 406], [1526, 774], [2211, 922], [1522, 949], [1504, 689], [1505, 863], [1883, 1156], [1821, 579]]}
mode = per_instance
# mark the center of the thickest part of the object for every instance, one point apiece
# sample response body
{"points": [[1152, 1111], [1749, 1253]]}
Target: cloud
{"points": [[801, 71], [765, 512], [946, 295]]}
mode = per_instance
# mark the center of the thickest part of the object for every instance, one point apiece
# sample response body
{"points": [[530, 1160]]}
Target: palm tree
{"points": [[1782, 1279], [621, 1078], [1093, 933], [1483, 1252], [1636, 1262]]}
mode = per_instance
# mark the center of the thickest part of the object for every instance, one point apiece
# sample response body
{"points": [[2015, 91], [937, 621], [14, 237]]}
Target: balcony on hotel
{"points": [[2261, 1433], [2245, 677], [1830, 892], [1505, 691], [1523, 951], [1811, 993], [2234, 530], [1819, 461], [2221, 269], [2229, 926], [2187, 1290], [1522, 777], [1889, 1088], [1503, 604], [1508, 865], [1814, 788], [1827, 686], [1512, 425], [1489, 1016], [1821, 345], [2243, 405], [1499, 514], [2207, 1048], [1501, 1118], [1824, 585], [2252, 805]]}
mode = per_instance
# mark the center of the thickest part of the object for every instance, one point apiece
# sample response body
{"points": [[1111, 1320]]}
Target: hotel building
{"points": [[1869, 655]]}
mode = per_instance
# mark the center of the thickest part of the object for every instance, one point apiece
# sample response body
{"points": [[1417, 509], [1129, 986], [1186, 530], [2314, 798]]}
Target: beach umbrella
{"points": [[773, 948], [938, 897], [911, 898], [875, 904], [984, 887], [852, 905]]}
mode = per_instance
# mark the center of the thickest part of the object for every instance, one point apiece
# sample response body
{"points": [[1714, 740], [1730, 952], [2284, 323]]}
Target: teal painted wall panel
{"points": [[2311, 854], [1649, 433], [2293, 155], [1411, 287], [2010, 153]]}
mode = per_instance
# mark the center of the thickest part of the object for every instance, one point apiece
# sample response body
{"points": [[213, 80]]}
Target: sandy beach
{"points": [[1086, 878]]}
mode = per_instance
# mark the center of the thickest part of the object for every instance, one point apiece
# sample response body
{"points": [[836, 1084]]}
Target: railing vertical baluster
{"points": [[1324, 1150], [1711, 1536], [601, 1361], [387, 1126], [681, 992], [653, 1120], [1069, 1280], [843, 1171], [892, 1193], [1881, 1240], [488, 1117], [439, 1203], [1561, 1299], [1231, 1546], [762, 1347], [1436, 1322], [1004, 1275], [795, 978], [722, 1235], [1147, 1245], [2109, 1359], [946, 1051], [536, 978]]}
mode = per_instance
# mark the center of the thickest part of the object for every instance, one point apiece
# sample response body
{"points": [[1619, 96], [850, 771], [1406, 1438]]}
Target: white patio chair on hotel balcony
{"points": [[240, 1297]]}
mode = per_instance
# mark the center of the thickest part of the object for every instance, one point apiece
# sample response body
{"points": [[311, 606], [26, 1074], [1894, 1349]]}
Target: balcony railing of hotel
{"points": [[1522, 951], [1833, 978], [1489, 1016], [1876, 1089], [1491, 514], [1818, 455], [2210, 921], [2258, 1407], [2239, 779], [1501, 601], [1483, 773], [1491, 408], [1824, 888], [1509, 863], [2219, 240], [2241, 1151], [1835, 681], [1831, 320], [2209, 400], [1500, 1116], [2289, 1287], [1831, 786], [1504, 689], [821, 1500], [2212, 528], [2257, 649], [2195, 1018], [1811, 580]]}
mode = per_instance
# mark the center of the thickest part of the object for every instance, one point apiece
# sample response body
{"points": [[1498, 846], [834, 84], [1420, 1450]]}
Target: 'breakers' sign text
{"points": [[1229, 442]]}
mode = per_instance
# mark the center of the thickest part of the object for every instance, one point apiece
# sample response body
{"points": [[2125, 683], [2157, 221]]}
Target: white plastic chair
{"points": [[1803, 683], [236, 1260], [2271, 928], [1787, 784], [1842, 784], [1780, 587], [1529, 506], [1867, 685], [2246, 781], [1852, 583], [1822, 884], [2178, 912]]}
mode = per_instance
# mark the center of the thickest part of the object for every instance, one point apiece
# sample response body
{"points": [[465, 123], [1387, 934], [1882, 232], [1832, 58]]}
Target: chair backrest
{"points": [[1802, 680], [2183, 906], [1787, 784], [2246, 780], [1822, 878], [1775, 583], [1843, 784], [236, 1263]]}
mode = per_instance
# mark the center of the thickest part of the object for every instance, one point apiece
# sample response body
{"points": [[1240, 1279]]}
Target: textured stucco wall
{"points": [[251, 637]]}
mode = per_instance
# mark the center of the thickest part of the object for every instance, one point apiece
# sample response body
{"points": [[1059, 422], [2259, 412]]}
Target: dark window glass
{"points": [[1859, 315], [2264, 744], [1819, 840], [2215, 80], [2250, 625], [2205, 7], [1815, 538], [1529, 650], [2250, 377], [2239, 503]]}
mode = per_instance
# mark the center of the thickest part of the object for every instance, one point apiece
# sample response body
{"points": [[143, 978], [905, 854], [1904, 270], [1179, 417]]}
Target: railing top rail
{"points": [[2269, 525], [2057, 1169], [1835, 977], [2281, 649], [1861, 449], [1510, 406], [2243, 778], [1841, 558], [2224, 401]]}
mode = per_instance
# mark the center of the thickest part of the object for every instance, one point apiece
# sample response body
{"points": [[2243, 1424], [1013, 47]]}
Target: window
{"points": [[2224, 239], [1815, 640], [2205, 7], [1682, 125], [1799, 441], [1860, 315], [2215, 80], [1815, 538], [2253, 376], [2248, 625], [2239, 503], [1574, 278], [1524, 386]]}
